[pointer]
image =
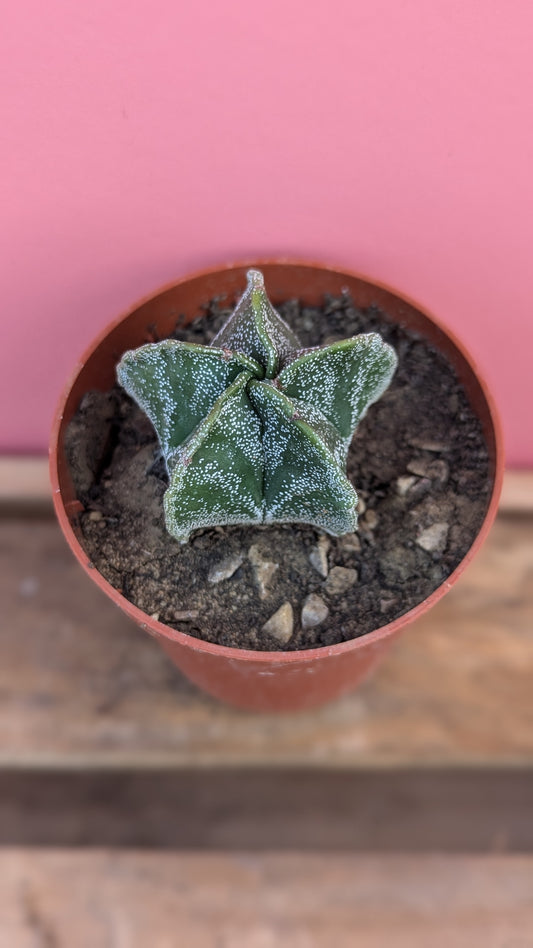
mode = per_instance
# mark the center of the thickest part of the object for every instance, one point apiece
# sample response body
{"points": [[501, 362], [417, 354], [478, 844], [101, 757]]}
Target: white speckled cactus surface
{"points": [[254, 428]]}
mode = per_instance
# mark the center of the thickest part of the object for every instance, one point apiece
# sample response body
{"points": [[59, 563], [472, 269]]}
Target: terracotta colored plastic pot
{"points": [[248, 679]]}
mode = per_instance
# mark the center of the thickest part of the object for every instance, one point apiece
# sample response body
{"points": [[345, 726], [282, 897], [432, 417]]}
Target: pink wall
{"points": [[141, 140]]}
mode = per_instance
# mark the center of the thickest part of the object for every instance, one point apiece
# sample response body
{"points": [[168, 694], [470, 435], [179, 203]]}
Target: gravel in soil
{"points": [[418, 461]]}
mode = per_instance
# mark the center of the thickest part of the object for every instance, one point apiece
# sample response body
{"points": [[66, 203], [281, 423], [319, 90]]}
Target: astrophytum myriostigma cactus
{"points": [[254, 428]]}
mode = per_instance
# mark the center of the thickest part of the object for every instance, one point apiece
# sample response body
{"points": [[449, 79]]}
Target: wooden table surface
{"points": [[80, 685], [135, 811], [241, 900]]}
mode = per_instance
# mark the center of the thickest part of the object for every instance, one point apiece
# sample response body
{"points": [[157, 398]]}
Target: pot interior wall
{"points": [[157, 316]]}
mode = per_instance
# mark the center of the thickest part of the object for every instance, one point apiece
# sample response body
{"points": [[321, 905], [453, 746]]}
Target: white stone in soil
{"points": [[420, 488], [435, 469], [434, 446], [404, 484], [263, 570], [440, 472], [186, 615], [349, 543], [225, 568], [281, 624], [387, 603], [314, 611], [370, 520], [318, 556], [340, 579], [433, 538]]}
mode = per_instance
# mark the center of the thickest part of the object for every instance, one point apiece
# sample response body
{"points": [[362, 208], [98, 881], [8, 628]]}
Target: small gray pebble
{"points": [[314, 611], [436, 470], [370, 520], [427, 445], [280, 624], [404, 484], [226, 568], [340, 579], [433, 539], [318, 556], [263, 570], [349, 543]]}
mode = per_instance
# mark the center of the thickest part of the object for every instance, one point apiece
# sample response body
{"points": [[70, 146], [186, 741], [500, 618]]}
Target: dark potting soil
{"points": [[418, 461]]}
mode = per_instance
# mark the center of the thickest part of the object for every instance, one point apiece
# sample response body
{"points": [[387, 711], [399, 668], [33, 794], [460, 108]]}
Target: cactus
{"points": [[254, 428]]}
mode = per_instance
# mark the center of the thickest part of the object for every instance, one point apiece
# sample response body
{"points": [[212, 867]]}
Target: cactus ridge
{"points": [[254, 428]]}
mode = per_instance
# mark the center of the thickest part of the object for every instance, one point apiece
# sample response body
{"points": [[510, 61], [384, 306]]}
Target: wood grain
{"points": [[240, 900], [82, 687]]}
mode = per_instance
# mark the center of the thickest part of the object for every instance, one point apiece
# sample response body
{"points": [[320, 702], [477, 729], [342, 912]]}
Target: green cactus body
{"points": [[254, 428]]}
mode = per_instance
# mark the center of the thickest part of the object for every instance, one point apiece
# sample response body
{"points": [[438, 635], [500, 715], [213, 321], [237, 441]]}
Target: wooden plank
{"points": [[58, 899], [517, 492], [24, 482], [80, 686]]}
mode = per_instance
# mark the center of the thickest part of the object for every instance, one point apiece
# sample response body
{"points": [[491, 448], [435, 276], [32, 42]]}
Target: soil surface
{"points": [[418, 461]]}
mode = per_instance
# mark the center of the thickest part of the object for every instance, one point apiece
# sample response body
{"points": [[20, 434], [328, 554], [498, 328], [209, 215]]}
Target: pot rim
{"points": [[159, 629]]}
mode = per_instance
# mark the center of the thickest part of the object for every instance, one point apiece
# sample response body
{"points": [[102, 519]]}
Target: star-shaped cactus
{"points": [[254, 428]]}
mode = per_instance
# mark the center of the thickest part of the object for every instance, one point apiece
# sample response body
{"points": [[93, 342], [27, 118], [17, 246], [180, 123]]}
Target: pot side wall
{"points": [[261, 680]]}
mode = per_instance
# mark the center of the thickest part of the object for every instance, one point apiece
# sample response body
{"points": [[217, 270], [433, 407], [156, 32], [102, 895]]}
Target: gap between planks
{"points": [[221, 809]]}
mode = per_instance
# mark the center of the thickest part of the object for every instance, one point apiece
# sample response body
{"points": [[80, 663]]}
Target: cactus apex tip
{"points": [[256, 280]]}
